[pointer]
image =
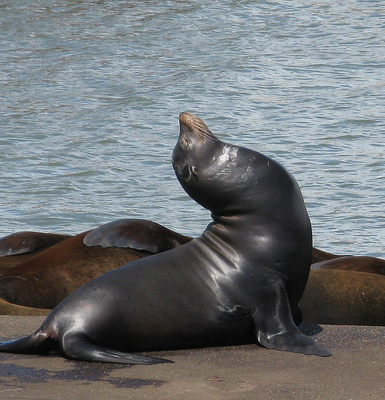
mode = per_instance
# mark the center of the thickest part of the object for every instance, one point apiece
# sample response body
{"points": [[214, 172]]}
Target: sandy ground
{"points": [[356, 371]]}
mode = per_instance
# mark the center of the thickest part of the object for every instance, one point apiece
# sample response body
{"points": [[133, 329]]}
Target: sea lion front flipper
{"points": [[275, 328], [137, 234], [293, 341], [28, 242], [78, 347]]}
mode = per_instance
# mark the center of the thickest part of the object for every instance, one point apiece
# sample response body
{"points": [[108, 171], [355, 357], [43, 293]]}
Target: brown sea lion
{"points": [[320, 255], [46, 278], [18, 247], [344, 298], [371, 265], [7, 308]]}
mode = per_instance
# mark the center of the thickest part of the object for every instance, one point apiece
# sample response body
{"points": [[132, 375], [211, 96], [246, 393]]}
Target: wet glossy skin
{"points": [[239, 282]]}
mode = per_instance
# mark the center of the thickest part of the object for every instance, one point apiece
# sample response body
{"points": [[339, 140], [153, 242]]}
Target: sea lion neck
{"points": [[238, 229]]}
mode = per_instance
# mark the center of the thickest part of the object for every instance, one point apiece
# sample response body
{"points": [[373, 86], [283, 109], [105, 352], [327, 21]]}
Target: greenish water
{"points": [[91, 92]]}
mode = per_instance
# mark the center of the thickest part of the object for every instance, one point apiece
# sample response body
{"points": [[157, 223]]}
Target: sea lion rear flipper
{"points": [[28, 242], [136, 234], [78, 347], [31, 344]]}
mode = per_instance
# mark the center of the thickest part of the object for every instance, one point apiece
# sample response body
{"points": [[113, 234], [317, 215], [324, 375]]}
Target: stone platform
{"points": [[356, 371]]}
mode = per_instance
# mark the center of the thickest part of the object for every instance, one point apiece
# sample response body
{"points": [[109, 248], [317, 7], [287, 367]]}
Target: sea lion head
{"points": [[219, 176], [228, 179]]}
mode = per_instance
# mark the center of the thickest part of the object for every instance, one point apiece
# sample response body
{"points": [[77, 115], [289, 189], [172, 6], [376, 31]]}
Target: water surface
{"points": [[91, 92]]}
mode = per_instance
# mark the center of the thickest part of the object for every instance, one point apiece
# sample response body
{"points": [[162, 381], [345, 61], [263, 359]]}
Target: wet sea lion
{"points": [[239, 282], [48, 277], [344, 298]]}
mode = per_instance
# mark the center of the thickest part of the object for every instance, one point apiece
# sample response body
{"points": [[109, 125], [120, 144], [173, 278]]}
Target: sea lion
{"points": [[48, 277], [366, 264], [28, 242], [18, 247], [239, 282], [7, 308], [321, 255], [344, 298]]}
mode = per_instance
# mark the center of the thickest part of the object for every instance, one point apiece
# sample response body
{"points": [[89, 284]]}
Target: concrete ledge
{"points": [[356, 370]]}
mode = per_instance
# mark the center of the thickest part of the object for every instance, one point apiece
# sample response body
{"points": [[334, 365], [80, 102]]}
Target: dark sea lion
{"points": [[138, 234], [344, 298], [239, 282], [48, 277], [371, 265]]}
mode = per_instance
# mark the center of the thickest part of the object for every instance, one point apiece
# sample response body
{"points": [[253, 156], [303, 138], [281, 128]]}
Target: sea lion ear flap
{"points": [[135, 234]]}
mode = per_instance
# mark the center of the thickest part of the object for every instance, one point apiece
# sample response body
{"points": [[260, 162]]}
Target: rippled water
{"points": [[91, 92]]}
